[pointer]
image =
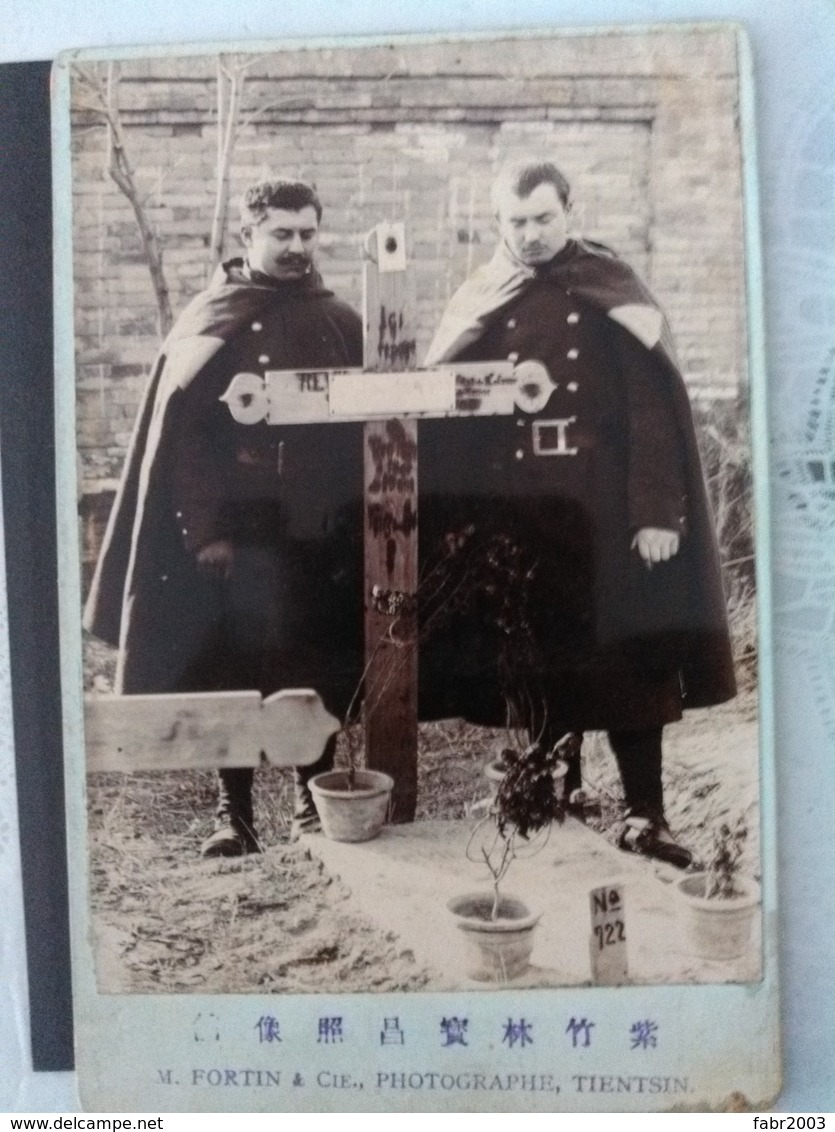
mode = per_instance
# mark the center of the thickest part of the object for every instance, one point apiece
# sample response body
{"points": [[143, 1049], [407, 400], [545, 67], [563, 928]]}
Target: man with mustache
{"points": [[233, 555], [599, 487]]}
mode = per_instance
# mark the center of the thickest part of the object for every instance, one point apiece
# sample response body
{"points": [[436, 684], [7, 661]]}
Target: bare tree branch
{"points": [[104, 101], [230, 84], [99, 94]]}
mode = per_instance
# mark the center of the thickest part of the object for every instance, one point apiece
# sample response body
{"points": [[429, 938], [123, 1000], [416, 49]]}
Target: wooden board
{"points": [[458, 389], [391, 639], [607, 941], [205, 730], [390, 501]]}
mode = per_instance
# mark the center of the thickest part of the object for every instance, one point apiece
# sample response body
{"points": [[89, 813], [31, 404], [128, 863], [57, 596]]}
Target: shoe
{"points": [[651, 837], [234, 833], [230, 839]]}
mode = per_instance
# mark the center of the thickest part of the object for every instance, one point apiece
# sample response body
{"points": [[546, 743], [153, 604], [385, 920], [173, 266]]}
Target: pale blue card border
{"points": [[782, 72]]}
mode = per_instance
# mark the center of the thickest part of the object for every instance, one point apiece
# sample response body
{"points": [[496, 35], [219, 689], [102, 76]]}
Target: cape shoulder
{"points": [[231, 298], [597, 266], [214, 316], [591, 270], [599, 276]]}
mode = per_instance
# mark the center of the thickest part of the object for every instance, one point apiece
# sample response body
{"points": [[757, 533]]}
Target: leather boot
{"points": [[651, 836], [638, 755], [305, 817], [234, 833]]}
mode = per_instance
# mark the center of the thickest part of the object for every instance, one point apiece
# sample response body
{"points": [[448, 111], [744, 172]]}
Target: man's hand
{"points": [[656, 545], [215, 559]]}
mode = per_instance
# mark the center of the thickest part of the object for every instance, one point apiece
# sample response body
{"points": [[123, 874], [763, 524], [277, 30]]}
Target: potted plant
{"points": [[487, 579], [496, 769], [354, 802], [498, 927], [718, 903]]}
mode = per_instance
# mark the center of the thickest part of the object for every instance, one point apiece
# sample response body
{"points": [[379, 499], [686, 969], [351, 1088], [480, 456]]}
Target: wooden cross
{"points": [[390, 394]]}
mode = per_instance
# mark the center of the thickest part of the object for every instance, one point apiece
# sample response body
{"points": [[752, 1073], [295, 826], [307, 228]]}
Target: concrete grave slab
{"points": [[403, 879]]}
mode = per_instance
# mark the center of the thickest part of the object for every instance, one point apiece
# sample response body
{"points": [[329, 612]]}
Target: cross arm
{"points": [[205, 730], [462, 389]]}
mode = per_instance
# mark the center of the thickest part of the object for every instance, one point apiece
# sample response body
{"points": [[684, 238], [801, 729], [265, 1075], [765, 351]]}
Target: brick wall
{"points": [[645, 126]]}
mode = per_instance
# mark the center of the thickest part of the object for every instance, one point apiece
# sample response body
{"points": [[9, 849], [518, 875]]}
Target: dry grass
{"points": [[164, 920], [721, 428], [167, 921]]}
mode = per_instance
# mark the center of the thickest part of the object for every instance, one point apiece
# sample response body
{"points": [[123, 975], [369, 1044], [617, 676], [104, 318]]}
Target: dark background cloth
{"points": [[27, 429]]}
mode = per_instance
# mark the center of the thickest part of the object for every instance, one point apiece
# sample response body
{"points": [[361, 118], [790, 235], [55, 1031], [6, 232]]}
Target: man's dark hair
{"points": [[522, 177], [281, 193]]}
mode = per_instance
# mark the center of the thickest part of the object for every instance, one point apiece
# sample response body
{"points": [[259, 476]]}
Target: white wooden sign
{"points": [[205, 730], [607, 942], [463, 389]]}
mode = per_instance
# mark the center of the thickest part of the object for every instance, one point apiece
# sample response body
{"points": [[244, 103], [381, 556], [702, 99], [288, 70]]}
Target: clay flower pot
{"points": [[352, 815], [500, 949], [718, 928], [495, 771]]}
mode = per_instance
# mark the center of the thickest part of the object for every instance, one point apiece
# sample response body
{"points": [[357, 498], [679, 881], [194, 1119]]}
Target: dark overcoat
{"points": [[600, 640], [288, 499]]}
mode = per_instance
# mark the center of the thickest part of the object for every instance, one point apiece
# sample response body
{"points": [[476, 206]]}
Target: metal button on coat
{"points": [[573, 354], [572, 387], [573, 318], [511, 324], [263, 359], [520, 454], [257, 326]]}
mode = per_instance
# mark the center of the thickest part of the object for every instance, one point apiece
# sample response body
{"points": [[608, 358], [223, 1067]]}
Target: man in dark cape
{"points": [[596, 499], [233, 558]]}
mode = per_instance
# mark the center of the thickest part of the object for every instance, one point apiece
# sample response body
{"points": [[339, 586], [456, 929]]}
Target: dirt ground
{"points": [[165, 921]]}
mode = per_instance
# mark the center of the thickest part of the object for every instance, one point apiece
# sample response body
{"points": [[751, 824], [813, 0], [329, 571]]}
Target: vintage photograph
{"points": [[415, 515]]}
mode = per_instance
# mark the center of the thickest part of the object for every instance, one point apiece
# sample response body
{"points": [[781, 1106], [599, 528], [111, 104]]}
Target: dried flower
{"points": [[723, 864]]}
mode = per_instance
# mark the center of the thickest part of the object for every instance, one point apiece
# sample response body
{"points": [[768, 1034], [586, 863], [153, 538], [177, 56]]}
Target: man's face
{"points": [[283, 243], [534, 227]]}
